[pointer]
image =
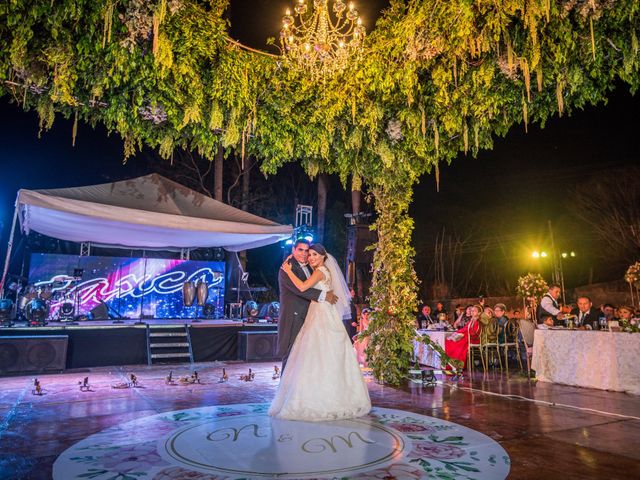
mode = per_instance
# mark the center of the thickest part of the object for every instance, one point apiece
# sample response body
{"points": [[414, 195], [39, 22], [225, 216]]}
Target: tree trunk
{"points": [[217, 175], [244, 202], [323, 187], [356, 196], [246, 184]]}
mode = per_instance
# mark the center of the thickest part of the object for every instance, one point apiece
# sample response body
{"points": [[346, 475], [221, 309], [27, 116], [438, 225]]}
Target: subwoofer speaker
{"points": [[257, 346], [34, 354]]}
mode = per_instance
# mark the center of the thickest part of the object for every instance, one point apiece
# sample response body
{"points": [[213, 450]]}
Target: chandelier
{"points": [[318, 41]]}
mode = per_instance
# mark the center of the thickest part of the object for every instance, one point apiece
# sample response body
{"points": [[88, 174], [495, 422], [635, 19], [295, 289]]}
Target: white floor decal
{"points": [[243, 442]]}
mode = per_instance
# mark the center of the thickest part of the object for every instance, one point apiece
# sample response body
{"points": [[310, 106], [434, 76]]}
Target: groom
{"points": [[294, 303]]}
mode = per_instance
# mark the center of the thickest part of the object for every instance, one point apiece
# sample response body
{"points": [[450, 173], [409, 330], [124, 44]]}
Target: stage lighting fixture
{"points": [[66, 311], [7, 312], [37, 311], [289, 242], [273, 310], [308, 238], [251, 309]]}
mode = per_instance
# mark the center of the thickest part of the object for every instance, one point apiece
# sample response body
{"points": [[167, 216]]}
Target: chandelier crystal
{"points": [[319, 41]]}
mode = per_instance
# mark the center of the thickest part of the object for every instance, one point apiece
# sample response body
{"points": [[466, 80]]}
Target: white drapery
{"points": [[149, 212]]}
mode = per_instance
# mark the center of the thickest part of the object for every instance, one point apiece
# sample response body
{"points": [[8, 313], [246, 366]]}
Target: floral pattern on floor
{"points": [[243, 442]]}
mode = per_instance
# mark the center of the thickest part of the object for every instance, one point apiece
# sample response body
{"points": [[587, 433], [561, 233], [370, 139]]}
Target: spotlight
{"points": [[535, 254], [66, 312], [308, 238], [37, 310], [251, 309], [273, 311], [289, 242], [7, 312], [543, 254]]}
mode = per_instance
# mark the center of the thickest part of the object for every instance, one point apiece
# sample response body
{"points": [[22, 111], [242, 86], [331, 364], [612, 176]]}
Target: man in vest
{"points": [[549, 306]]}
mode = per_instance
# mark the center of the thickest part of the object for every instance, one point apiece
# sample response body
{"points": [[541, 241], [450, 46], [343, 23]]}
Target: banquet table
{"points": [[424, 353], [602, 360]]}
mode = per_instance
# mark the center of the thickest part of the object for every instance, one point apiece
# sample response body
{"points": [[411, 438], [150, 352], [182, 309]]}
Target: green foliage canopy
{"points": [[449, 74]]}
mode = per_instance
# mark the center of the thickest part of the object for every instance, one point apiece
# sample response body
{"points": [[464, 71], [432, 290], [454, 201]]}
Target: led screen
{"points": [[130, 287]]}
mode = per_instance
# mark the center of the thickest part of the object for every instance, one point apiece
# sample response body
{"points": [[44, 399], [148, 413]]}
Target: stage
{"points": [[105, 343]]}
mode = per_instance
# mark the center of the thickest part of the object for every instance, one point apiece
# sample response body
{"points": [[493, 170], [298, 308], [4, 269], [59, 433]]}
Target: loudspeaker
{"points": [[35, 354], [100, 312], [257, 345]]}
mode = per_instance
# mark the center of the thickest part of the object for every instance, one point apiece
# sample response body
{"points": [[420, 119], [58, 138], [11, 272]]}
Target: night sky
{"points": [[519, 185]]}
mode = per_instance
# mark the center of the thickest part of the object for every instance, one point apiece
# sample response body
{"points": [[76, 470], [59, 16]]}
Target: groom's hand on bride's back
{"points": [[331, 298]]}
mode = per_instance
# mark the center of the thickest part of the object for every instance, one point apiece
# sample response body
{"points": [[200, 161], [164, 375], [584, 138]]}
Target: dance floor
{"points": [[491, 426]]}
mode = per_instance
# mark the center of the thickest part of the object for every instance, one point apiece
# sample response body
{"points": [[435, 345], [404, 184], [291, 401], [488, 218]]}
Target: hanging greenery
{"points": [[438, 77]]}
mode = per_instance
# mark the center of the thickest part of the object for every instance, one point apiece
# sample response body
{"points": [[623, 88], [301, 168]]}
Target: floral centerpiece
{"points": [[629, 326], [633, 273], [532, 286], [632, 277]]}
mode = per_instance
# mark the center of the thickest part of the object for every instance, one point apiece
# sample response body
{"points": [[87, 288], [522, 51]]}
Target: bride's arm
{"points": [[315, 277]]}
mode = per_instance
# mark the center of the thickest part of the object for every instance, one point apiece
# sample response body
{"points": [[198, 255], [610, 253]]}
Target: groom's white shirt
{"points": [[307, 273]]}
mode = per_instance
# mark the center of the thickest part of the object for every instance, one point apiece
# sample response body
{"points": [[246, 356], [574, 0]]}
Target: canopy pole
{"points": [[9, 248], [239, 276]]}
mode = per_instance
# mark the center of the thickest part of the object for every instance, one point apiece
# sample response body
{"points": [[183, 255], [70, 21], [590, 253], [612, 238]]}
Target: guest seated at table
{"points": [[609, 311], [456, 345], [626, 314], [500, 311], [586, 314], [486, 315], [546, 321], [360, 343], [425, 318], [439, 309], [463, 319], [457, 312]]}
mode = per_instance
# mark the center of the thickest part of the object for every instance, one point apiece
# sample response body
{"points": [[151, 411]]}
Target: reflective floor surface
{"points": [[482, 427]]}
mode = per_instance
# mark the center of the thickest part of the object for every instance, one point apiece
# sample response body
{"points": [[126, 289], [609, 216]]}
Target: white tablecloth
{"points": [[603, 360], [424, 353]]}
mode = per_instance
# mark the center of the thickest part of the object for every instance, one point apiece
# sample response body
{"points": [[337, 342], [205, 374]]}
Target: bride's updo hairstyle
{"points": [[319, 249]]}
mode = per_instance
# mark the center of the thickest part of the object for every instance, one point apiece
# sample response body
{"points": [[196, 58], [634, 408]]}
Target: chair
{"points": [[527, 331], [510, 339], [473, 346], [489, 339]]}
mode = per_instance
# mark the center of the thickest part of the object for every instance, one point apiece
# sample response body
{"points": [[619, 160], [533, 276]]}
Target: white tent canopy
{"points": [[147, 212]]}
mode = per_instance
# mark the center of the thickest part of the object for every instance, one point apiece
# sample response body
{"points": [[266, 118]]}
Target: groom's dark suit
{"points": [[293, 308]]}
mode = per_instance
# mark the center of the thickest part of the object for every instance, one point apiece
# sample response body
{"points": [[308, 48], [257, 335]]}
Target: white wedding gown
{"points": [[322, 380]]}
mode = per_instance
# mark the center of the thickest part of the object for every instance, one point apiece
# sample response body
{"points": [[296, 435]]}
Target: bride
{"points": [[322, 380]]}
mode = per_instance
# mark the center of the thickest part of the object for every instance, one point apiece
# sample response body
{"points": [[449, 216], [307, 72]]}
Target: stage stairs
{"points": [[168, 344]]}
